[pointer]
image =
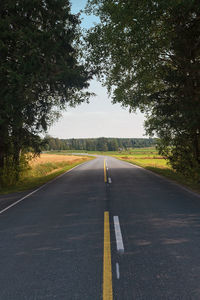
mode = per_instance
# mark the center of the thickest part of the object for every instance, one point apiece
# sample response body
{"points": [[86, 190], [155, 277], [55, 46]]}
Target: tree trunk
{"points": [[16, 161], [2, 160], [197, 147]]}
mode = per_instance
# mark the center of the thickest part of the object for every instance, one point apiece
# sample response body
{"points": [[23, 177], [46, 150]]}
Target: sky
{"points": [[99, 118]]}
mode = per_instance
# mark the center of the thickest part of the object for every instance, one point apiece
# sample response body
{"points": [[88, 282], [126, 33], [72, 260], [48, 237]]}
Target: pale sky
{"points": [[99, 118]]}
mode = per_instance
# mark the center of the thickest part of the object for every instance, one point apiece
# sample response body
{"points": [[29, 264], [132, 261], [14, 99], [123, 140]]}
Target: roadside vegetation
{"points": [[130, 151], [41, 74], [42, 169], [147, 54]]}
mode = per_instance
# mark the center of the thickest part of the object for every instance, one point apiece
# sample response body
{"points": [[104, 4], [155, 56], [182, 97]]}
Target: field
{"points": [[145, 157], [155, 162], [43, 169], [48, 164], [137, 151]]}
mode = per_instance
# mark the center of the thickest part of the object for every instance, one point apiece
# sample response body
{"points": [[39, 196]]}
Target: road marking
{"points": [[21, 199], [117, 270], [165, 179], [107, 268], [105, 173], [118, 235], [109, 180]]}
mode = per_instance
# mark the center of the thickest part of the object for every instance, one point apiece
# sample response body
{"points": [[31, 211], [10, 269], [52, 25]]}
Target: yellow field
{"points": [[42, 169], [53, 158], [46, 164]]}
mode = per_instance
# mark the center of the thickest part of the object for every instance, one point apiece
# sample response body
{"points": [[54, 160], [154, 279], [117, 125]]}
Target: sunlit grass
{"points": [[145, 162], [148, 151], [43, 169]]}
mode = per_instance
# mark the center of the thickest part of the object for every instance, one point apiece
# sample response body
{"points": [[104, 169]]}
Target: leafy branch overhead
{"points": [[40, 72], [147, 53]]}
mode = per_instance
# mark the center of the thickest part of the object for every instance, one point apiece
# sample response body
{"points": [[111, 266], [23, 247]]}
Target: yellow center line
{"points": [[107, 268], [105, 173]]}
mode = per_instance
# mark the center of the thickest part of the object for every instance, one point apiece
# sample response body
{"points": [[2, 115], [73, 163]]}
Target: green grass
{"points": [[40, 174], [135, 151], [67, 152]]}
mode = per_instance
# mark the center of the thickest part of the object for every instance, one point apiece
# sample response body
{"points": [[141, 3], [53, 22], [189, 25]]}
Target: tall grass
{"points": [[42, 170]]}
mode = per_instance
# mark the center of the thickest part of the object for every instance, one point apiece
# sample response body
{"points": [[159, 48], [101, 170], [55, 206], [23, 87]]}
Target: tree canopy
{"points": [[147, 53], [97, 144], [40, 72]]}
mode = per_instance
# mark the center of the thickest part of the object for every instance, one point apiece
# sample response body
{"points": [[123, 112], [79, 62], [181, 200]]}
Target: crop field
{"points": [[145, 157], [55, 159], [150, 151], [47, 164]]}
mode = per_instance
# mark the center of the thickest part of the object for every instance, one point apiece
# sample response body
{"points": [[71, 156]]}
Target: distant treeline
{"points": [[97, 144]]}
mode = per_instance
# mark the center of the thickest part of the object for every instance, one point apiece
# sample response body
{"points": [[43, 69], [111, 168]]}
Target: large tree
{"points": [[147, 53], [40, 72]]}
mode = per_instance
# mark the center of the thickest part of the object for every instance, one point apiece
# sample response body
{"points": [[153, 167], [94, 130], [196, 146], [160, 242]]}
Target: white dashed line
{"points": [[109, 180], [118, 235], [117, 270]]}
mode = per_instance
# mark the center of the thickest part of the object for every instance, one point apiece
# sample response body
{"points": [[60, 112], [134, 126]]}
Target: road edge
{"points": [[40, 187], [190, 191]]}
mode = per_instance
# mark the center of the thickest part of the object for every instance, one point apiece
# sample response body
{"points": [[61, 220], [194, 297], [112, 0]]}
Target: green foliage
{"points": [[39, 72], [181, 156], [148, 55], [10, 171], [96, 144]]}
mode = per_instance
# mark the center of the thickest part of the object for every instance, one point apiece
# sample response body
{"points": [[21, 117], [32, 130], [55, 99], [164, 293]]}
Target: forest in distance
{"points": [[97, 144]]}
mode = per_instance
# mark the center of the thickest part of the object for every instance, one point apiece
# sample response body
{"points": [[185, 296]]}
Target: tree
{"points": [[102, 144], [96, 144], [113, 144], [147, 53], [39, 73]]}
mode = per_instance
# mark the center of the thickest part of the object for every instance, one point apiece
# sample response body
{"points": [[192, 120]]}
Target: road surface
{"points": [[105, 230]]}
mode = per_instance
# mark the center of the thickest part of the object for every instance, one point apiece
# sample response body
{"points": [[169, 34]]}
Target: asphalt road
{"points": [[55, 244]]}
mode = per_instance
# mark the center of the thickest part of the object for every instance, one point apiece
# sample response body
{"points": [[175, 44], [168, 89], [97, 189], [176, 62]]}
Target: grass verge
{"points": [[41, 173], [136, 151]]}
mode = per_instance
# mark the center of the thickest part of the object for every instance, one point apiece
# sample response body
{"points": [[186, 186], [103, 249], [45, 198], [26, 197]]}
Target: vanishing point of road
{"points": [[105, 230]]}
